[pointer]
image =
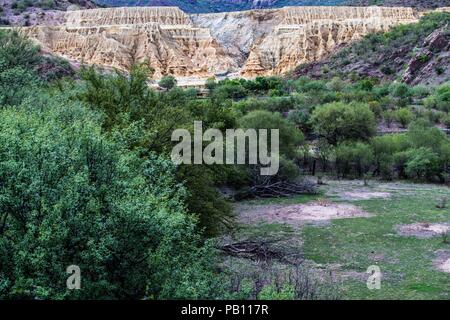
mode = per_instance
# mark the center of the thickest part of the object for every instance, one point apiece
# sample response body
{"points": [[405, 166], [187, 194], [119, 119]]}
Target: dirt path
{"points": [[297, 214]]}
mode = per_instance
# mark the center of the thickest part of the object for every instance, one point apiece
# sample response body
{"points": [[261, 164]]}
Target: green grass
{"points": [[302, 198], [406, 262]]}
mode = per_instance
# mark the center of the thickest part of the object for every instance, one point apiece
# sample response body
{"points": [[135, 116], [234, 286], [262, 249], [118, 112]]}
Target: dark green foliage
{"points": [[145, 120], [72, 196], [17, 60], [377, 52], [54, 68], [290, 140], [404, 116], [167, 82], [290, 137], [337, 122], [354, 157]]}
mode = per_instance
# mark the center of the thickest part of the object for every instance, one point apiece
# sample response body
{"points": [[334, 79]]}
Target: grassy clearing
{"points": [[303, 198], [357, 243]]}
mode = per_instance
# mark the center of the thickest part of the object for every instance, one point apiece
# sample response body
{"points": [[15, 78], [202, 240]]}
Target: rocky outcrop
{"points": [[30, 13], [249, 43], [165, 37], [431, 62], [275, 41], [419, 54], [419, 4]]}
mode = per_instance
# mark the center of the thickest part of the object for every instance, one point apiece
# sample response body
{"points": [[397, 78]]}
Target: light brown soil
{"points": [[366, 195], [301, 213], [423, 230], [442, 262]]}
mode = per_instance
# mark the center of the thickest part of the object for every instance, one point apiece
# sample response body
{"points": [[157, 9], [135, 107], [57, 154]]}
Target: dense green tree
{"points": [[145, 120], [290, 137], [71, 196], [404, 116], [337, 122], [167, 82], [18, 57], [357, 157], [422, 163]]}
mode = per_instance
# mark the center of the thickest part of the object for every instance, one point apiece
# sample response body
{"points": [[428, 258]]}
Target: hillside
{"points": [[420, 4], [29, 12], [415, 53], [266, 42], [207, 6]]}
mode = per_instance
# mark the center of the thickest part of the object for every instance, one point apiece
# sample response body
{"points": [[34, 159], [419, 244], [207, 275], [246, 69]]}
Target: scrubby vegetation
{"points": [[86, 179], [86, 176], [387, 55], [390, 130]]}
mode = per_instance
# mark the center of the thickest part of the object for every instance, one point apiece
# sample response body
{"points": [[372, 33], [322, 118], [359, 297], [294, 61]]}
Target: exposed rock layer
{"points": [[256, 42], [418, 55], [165, 37]]}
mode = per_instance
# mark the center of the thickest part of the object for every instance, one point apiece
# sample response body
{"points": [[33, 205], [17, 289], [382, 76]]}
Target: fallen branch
{"points": [[278, 189], [254, 250]]}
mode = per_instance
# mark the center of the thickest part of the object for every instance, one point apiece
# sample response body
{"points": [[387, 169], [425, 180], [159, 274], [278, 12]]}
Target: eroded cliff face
{"points": [[163, 36], [248, 43], [275, 41]]}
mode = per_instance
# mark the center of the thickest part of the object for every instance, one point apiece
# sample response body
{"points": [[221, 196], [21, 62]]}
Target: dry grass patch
{"points": [[423, 229], [442, 261], [317, 211]]}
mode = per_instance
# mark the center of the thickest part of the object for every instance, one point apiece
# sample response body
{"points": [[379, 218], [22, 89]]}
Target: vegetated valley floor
{"points": [[393, 225]]}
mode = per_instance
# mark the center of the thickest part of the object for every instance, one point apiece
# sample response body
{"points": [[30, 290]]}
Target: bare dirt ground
{"points": [[366, 195], [316, 211], [442, 262], [423, 230], [353, 190], [341, 200]]}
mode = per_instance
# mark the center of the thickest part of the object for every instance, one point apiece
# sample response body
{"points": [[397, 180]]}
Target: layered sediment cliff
{"points": [[250, 43], [163, 36], [275, 41]]}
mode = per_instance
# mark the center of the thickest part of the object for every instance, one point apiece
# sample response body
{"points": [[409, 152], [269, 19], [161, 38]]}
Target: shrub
{"points": [[229, 91], [47, 4], [337, 122], [167, 82], [422, 163], [404, 116], [76, 197], [290, 137], [421, 134], [420, 91], [443, 97], [18, 58], [354, 157], [301, 119]]}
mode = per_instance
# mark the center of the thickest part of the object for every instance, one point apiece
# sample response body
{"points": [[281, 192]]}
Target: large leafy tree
{"points": [[71, 196], [337, 122], [18, 57], [145, 119]]}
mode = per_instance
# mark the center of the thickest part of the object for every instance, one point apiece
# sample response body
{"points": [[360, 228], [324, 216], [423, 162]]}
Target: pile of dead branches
{"points": [[278, 189], [255, 250]]}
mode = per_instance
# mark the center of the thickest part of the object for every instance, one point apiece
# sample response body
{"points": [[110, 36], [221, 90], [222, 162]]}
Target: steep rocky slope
{"points": [[419, 4], [250, 43], [416, 54], [32, 12], [208, 6], [163, 36], [275, 41]]}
